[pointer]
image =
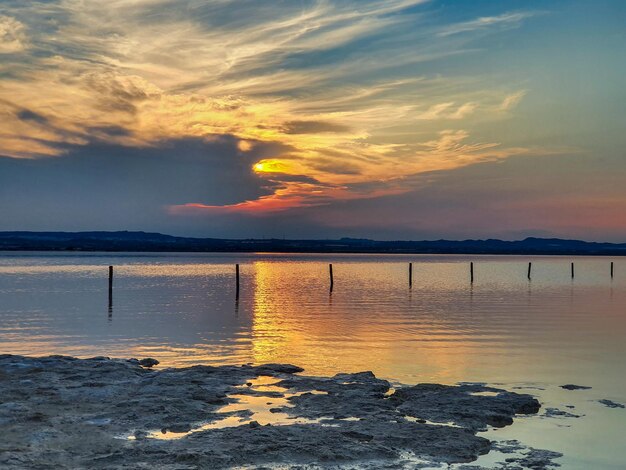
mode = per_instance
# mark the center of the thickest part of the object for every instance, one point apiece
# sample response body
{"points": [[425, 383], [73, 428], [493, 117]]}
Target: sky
{"points": [[386, 119]]}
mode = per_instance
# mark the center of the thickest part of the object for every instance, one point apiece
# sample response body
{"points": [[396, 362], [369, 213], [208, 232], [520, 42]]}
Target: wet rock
{"points": [[148, 362], [537, 459], [271, 369], [260, 393], [208, 397], [96, 358], [81, 396], [575, 387], [509, 446], [345, 395], [358, 435], [610, 403], [178, 428], [463, 405], [556, 413], [99, 421]]}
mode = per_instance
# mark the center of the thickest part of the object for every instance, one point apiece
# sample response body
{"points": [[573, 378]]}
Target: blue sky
{"points": [[381, 118]]}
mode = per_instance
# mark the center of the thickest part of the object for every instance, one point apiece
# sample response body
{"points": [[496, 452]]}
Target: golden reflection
{"points": [[293, 321]]}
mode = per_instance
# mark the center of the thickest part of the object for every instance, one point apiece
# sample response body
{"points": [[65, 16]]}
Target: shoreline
{"points": [[117, 413]]}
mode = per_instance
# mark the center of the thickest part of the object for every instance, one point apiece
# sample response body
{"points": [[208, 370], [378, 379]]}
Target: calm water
{"points": [[181, 309]]}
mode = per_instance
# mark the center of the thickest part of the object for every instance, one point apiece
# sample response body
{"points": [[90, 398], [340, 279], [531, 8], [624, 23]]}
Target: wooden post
{"points": [[110, 288], [572, 270], [410, 274], [529, 268], [330, 272], [472, 271], [237, 280], [611, 269]]}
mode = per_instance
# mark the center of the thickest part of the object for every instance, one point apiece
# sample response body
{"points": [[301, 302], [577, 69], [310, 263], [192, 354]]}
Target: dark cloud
{"points": [[28, 115], [108, 186], [117, 93], [109, 131]]}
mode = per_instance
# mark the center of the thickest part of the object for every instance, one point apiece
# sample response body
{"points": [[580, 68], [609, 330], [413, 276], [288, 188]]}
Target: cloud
{"points": [[111, 186], [357, 177], [12, 35], [447, 111], [117, 92], [313, 127], [512, 100], [28, 115], [323, 101], [506, 20]]}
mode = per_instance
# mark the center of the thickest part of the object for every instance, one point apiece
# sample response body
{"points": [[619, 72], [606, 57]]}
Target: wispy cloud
{"points": [[506, 20], [512, 100], [448, 111]]}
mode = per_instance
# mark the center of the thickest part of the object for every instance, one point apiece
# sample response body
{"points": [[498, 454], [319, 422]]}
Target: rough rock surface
{"points": [[148, 362], [611, 403], [62, 412], [524, 458], [556, 413], [575, 387]]}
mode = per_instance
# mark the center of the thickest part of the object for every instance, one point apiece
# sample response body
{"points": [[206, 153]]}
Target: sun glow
{"points": [[278, 166]]}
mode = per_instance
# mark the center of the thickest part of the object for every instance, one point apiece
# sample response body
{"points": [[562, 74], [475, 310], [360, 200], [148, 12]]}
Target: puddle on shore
{"points": [[413, 419], [254, 403], [484, 394]]}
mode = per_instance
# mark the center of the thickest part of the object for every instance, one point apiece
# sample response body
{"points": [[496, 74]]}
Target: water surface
{"points": [[502, 328]]}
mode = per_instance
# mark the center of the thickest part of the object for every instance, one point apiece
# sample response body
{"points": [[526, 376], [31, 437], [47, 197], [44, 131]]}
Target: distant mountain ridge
{"points": [[157, 242]]}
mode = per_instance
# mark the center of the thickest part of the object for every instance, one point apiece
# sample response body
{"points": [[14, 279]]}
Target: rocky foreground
{"points": [[62, 412]]}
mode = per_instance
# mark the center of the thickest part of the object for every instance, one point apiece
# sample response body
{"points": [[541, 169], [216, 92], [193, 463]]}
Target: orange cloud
{"points": [[289, 197]]}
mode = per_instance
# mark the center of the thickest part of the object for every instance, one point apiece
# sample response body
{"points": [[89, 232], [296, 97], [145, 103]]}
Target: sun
{"points": [[272, 165]]}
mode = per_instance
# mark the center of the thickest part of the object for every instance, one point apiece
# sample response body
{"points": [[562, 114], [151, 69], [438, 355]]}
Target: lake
{"points": [[501, 329]]}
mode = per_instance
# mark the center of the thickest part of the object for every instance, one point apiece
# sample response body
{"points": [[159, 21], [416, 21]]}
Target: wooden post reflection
{"points": [[110, 290], [237, 281]]}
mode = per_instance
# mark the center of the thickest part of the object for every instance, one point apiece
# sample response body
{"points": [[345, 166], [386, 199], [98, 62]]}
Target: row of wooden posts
{"points": [[332, 280]]}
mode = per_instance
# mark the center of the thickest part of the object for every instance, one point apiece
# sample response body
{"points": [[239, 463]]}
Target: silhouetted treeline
{"points": [[142, 241]]}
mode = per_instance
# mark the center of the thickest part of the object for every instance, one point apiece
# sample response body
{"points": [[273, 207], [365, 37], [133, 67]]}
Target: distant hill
{"points": [[142, 241]]}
